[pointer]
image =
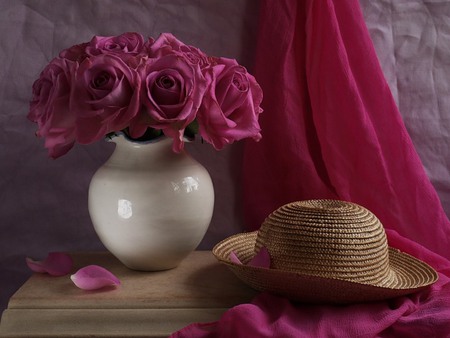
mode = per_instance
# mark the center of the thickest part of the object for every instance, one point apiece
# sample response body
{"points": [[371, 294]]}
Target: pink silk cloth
{"points": [[331, 129]]}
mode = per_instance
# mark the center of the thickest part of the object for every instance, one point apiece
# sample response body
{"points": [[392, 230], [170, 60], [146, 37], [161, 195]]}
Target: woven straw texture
{"points": [[325, 251]]}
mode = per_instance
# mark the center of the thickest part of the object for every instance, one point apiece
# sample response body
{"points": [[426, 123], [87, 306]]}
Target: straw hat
{"points": [[325, 251]]}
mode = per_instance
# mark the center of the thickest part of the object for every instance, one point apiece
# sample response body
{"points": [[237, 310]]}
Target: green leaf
{"points": [[192, 129]]}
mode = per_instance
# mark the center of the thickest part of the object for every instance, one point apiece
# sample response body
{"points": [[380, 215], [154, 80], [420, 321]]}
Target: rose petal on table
{"points": [[56, 264], [260, 260], [93, 277]]}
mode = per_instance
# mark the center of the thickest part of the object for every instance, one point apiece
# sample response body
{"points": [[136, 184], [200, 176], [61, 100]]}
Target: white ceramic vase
{"points": [[150, 206]]}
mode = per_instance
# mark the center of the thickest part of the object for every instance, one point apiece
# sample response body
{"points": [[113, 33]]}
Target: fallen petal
{"points": [[261, 259], [234, 258], [93, 277], [56, 264]]}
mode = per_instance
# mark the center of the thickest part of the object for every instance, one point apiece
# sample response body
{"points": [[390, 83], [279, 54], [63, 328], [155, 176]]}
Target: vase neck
{"points": [[140, 153]]}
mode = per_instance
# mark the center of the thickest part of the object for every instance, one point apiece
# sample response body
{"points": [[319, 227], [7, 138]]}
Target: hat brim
{"points": [[409, 275]]}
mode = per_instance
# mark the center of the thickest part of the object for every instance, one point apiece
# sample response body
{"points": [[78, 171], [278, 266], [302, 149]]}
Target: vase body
{"points": [[150, 206]]}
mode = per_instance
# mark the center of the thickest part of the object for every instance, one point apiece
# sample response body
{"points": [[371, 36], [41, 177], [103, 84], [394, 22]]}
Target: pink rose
{"points": [[166, 41], [128, 43], [172, 92], [49, 107], [231, 105], [130, 47], [105, 97], [75, 53], [169, 44]]}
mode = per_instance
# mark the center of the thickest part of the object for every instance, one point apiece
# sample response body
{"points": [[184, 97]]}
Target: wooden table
{"points": [[146, 304]]}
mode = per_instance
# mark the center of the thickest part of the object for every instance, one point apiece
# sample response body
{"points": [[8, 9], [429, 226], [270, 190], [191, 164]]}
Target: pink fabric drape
{"points": [[331, 129]]}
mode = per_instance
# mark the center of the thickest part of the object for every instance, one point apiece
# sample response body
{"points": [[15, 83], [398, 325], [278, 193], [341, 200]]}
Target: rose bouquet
{"points": [[144, 89]]}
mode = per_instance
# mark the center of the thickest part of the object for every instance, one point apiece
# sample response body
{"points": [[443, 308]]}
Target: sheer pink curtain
{"points": [[331, 128]]}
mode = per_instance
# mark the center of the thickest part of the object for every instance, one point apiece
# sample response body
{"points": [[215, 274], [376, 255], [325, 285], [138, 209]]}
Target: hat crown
{"points": [[327, 238]]}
